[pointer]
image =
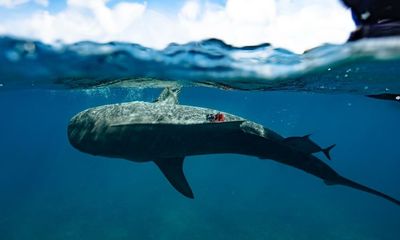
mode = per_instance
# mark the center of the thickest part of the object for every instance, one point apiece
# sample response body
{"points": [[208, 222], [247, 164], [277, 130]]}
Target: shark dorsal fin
{"points": [[172, 168], [307, 137], [169, 95]]}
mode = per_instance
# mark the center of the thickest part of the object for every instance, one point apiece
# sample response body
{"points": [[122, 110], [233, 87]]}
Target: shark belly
{"points": [[147, 142]]}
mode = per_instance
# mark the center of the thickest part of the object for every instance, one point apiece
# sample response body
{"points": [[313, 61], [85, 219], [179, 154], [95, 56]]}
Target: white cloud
{"points": [[251, 11], [82, 20], [190, 10], [296, 25], [44, 3], [15, 3], [12, 3]]}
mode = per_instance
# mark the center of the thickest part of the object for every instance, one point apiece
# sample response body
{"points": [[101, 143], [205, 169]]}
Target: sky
{"points": [[296, 25]]}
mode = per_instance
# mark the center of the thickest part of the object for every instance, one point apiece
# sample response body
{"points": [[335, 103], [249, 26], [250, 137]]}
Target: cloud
{"points": [[296, 25], [251, 11], [15, 3], [81, 20], [12, 3], [44, 3], [190, 10]]}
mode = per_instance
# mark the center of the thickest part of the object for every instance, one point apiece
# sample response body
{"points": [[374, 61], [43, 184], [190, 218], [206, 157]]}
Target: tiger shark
{"points": [[165, 132]]}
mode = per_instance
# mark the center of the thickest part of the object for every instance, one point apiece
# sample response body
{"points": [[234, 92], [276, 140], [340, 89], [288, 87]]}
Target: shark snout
{"points": [[79, 128]]}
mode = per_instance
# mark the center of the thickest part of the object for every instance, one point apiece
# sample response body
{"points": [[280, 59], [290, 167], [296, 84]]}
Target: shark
{"points": [[165, 132]]}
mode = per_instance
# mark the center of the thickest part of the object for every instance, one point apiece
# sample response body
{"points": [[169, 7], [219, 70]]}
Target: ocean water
{"points": [[49, 190]]}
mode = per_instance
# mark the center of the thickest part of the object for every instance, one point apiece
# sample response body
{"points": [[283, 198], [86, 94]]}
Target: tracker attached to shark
{"points": [[165, 132]]}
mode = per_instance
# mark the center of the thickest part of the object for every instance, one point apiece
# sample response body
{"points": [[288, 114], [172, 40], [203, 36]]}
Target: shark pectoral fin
{"points": [[327, 151], [172, 168]]}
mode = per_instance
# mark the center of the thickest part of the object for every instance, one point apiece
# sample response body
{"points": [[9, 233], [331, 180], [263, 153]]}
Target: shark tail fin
{"points": [[172, 168], [327, 151], [352, 184]]}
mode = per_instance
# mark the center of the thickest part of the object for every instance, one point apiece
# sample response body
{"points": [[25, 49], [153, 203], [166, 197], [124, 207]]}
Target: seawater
{"points": [[49, 190]]}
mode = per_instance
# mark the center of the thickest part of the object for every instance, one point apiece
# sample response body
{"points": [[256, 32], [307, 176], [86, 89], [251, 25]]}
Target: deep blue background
{"points": [[48, 190]]}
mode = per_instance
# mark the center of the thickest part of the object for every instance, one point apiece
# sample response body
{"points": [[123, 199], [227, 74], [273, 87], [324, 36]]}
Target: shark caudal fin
{"points": [[327, 151], [172, 168], [352, 184]]}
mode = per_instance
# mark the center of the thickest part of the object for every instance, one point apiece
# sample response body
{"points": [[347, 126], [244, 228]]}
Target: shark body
{"points": [[165, 132]]}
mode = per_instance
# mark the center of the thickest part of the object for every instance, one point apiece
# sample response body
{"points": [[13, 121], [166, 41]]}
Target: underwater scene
{"points": [[57, 181]]}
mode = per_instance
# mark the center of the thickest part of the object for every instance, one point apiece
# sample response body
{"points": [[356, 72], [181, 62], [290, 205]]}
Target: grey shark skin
{"points": [[165, 133]]}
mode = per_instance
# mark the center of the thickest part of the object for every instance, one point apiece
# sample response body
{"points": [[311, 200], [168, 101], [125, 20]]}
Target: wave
{"points": [[363, 67]]}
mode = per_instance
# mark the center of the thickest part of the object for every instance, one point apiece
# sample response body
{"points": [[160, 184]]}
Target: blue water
{"points": [[49, 190]]}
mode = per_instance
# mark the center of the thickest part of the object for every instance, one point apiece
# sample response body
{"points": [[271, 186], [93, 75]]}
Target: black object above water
{"points": [[373, 11], [385, 28], [374, 18]]}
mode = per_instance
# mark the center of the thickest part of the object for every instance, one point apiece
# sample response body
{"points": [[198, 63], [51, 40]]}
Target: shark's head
{"points": [[99, 130], [81, 130]]}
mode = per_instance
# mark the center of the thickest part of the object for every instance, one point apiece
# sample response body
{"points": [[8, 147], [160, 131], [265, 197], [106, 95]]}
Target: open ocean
{"points": [[49, 190]]}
